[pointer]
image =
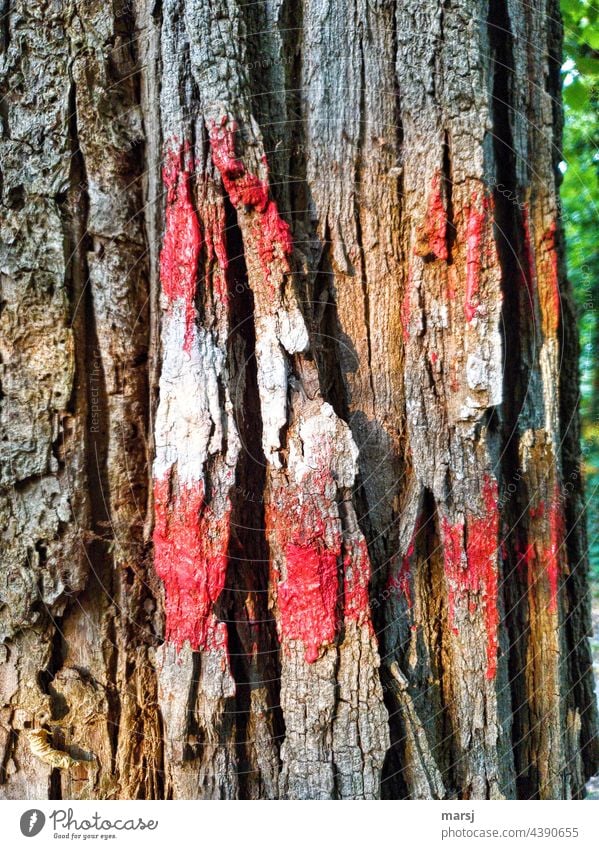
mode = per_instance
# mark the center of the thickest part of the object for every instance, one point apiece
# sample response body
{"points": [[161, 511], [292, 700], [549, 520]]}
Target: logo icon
{"points": [[32, 822]]}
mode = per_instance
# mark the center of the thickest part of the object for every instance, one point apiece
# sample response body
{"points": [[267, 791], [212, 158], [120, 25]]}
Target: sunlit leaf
{"points": [[576, 94]]}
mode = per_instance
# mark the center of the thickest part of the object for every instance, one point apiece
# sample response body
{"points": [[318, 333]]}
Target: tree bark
{"points": [[291, 498]]}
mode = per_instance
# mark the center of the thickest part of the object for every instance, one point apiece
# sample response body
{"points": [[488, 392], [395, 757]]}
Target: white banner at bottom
{"points": [[258, 825]]}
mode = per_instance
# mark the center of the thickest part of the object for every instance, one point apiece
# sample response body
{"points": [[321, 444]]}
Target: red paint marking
{"points": [[434, 357], [244, 189], [539, 511], [308, 595], [529, 558], [190, 554], [474, 570], [436, 220], [273, 236], [404, 575], [307, 531], [182, 240], [552, 277], [476, 220]]}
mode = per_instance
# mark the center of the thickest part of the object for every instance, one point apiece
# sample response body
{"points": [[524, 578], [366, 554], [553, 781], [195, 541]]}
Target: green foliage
{"points": [[580, 204]]}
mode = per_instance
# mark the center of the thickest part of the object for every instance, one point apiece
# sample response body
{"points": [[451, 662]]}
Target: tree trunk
{"points": [[290, 499]]}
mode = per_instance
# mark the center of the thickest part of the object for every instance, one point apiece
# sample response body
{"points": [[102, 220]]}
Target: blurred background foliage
{"points": [[580, 212]]}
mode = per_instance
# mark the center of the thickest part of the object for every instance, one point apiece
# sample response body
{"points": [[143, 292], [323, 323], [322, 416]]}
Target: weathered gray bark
{"points": [[288, 519]]}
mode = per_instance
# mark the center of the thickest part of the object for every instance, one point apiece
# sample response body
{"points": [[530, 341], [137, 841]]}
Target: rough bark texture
{"points": [[290, 496]]}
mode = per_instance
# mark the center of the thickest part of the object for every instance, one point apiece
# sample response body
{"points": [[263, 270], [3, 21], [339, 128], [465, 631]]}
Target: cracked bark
{"points": [[290, 487]]}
